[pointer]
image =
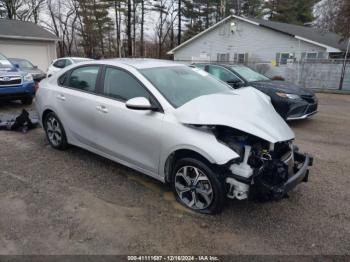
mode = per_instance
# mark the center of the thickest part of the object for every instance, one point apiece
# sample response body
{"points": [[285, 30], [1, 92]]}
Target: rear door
{"points": [[76, 98]]}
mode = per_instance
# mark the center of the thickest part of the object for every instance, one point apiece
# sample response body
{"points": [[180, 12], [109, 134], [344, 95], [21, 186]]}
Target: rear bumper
{"points": [[17, 92]]}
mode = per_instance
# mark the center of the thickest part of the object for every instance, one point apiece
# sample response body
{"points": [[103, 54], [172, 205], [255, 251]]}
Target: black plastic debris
{"points": [[20, 123]]}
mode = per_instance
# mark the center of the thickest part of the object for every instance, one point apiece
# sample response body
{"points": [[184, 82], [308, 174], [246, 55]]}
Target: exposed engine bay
{"points": [[264, 171]]}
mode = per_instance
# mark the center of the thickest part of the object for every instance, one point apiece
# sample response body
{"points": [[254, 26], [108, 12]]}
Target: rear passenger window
{"points": [[84, 78], [122, 86]]}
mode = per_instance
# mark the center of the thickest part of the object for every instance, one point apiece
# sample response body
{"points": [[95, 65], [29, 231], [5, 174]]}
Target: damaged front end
{"points": [[264, 170]]}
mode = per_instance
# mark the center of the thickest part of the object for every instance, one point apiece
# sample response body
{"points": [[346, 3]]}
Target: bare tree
{"points": [[12, 7], [334, 15], [167, 11]]}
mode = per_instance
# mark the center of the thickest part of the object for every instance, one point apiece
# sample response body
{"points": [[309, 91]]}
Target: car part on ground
{"points": [[291, 101], [179, 125], [23, 122]]}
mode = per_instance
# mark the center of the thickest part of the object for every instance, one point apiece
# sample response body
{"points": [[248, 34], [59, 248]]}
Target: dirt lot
{"points": [[75, 202]]}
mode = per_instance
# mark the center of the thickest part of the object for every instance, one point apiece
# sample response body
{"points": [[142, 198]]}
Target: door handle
{"points": [[102, 109], [61, 97]]}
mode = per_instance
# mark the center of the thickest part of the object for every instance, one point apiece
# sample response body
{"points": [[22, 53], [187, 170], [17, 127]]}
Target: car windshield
{"points": [[79, 60], [23, 64], [4, 63], [248, 74], [180, 84]]}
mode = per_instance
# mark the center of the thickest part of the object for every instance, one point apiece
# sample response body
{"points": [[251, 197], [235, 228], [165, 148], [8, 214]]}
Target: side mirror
{"points": [[16, 65], [35, 67], [140, 103], [235, 83]]}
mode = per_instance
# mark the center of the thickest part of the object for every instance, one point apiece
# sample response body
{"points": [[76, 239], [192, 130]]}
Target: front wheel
{"points": [[197, 187]]}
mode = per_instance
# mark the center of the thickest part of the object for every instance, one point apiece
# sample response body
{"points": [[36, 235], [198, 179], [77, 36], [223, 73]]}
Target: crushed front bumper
{"points": [[300, 174]]}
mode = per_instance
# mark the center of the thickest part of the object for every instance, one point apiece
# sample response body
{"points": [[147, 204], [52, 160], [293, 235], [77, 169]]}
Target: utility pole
{"points": [[344, 66]]}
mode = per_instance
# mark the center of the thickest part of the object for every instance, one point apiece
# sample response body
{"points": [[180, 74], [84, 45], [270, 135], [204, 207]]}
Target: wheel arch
{"points": [[183, 153], [44, 114]]}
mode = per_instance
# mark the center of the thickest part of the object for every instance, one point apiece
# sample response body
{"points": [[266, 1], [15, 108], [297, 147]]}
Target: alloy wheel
{"points": [[193, 187], [54, 131]]}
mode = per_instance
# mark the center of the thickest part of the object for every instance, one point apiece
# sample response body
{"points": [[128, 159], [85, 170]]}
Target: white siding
{"points": [[260, 43], [38, 52]]}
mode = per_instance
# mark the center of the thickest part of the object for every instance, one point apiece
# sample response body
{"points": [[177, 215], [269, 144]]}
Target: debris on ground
{"points": [[22, 122]]}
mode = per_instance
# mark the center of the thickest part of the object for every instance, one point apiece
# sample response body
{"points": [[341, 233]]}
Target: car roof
{"points": [[17, 59], [221, 64], [143, 63]]}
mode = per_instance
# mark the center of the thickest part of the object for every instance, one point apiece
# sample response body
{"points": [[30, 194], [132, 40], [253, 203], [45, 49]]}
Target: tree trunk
{"points": [[179, 24], [134, 29], [128, 29], [142, 22], [117, 26]]}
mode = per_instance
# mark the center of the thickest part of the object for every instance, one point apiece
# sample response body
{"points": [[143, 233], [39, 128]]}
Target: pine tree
{"points": [[290, 11], [96, 25]]}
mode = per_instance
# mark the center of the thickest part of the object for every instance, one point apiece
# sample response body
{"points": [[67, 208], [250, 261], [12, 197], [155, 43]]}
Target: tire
{"points": [[27, 101], [195, 194], [55, 133]]}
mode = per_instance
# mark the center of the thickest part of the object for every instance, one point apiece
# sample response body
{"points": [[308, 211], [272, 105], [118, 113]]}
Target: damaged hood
{"points": [[245, 109]]}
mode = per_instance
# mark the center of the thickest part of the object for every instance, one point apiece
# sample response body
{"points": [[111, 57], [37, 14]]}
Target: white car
{"points": [[60, 63], [176, 124]]}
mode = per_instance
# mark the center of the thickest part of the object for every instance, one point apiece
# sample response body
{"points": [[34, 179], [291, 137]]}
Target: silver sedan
{"points": [[176, 124]]}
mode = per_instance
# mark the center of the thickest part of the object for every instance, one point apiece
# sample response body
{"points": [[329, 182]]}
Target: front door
{"points": [[130, 135]]}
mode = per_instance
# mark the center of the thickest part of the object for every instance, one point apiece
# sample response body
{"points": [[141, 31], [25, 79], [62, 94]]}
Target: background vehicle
{"points": [[26, 66], [61, 63], [177, 124], [14, 83], [291, 101]]}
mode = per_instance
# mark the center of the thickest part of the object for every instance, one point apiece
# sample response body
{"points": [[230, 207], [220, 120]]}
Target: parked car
{"points": [[14, 83], [26, 66], [60, 63], [176, 124], [291, 101]]}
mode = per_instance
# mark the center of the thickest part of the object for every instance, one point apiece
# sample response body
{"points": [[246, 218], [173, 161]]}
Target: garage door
{"points": [[40, 54]]}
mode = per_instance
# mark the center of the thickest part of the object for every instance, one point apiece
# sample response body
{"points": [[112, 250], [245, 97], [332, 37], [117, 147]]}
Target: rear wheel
{"points": [[55, 132], [27, 101], [197, 187]]}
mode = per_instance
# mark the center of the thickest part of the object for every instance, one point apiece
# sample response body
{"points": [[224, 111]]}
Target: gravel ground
{"points": [[75, 202]]}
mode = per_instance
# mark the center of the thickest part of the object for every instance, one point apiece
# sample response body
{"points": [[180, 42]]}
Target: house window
{"points": [[223, 57], [241, 58], [284, 58], [311, 56]]}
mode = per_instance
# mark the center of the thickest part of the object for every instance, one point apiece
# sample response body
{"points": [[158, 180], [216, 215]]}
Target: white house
{"points": [[19, 39], [239, 39]]}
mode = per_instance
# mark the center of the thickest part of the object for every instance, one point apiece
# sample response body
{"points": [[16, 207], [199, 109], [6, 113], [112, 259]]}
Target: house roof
{"points": [[15, 29], [331, 41]]}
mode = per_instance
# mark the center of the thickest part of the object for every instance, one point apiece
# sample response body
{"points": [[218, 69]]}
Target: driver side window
{"points": [[122, 86], [222, 74]]}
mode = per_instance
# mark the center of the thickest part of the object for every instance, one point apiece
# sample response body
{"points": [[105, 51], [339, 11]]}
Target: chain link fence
{"points": [[311, 73]]}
